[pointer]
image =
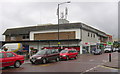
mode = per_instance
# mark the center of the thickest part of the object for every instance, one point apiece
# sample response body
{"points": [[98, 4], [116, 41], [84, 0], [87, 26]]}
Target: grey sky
{"points": [[101, 15]]}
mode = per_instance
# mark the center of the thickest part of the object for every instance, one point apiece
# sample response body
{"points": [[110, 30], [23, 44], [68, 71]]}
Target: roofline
{"points": [[60, 24]]}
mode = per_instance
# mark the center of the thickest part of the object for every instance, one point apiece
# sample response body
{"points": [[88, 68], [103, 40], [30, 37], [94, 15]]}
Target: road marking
{"points": [[109, 68], [41, 65], [92, 68]]}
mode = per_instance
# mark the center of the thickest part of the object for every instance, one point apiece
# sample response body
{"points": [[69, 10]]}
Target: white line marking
{"points": [[92, 68]]}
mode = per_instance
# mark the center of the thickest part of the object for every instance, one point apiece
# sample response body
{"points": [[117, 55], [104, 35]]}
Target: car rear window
{"points": [[64, 51], [1, 55], [10, 55]]}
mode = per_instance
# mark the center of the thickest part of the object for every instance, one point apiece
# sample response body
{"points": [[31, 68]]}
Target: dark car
{"points": [[44, 56], [119, 50], [97, 51], [68, 54]]}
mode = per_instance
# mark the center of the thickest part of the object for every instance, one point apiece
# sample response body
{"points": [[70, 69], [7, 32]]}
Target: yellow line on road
{"points": [[109, 68], [41, 65]]}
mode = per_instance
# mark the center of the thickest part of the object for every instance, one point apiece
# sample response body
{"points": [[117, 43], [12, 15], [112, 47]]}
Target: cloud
{"points": [[101, 15]]}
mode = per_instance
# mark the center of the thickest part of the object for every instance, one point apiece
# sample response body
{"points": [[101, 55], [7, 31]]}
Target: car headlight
{"points": [[39, 57], [64, 55]]}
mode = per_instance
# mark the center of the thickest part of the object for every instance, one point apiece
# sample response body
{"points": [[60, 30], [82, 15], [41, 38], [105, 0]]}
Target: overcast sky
{"points": [[101, 15]]}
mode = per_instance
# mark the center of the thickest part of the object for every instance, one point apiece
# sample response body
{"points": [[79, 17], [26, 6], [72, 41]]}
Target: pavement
{"points": [[27, 61], [113, 64]]}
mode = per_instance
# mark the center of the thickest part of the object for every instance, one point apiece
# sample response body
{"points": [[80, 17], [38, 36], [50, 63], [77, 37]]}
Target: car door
{"points": [[75, 53], [54, 54], [49, 55], [70, 54], [2, 61], [10, 59]]}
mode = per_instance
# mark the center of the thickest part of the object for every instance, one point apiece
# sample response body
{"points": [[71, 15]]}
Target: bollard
{"points": [[109, 57]]}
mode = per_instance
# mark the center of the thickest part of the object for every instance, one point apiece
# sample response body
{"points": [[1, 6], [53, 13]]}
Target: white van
{"points": [[14, 47], [107, 49]]}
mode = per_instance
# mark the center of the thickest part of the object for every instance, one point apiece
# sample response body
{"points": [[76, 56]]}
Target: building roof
{"points": [[27, 30]]}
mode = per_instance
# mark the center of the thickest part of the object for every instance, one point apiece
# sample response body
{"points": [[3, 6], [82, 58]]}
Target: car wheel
{"points": [[44, 61], [76, 57], [57, 59], [32, 62], [17, 64]]}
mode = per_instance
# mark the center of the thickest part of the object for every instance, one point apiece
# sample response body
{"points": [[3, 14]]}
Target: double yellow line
{"points": [[110, 67], [41, 65]]}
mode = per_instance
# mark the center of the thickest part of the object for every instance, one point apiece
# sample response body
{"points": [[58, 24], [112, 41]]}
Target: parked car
{"points": [[68, 53], [118, 50], [44, 56], [10, 59], [97, 51], [108, 49]]}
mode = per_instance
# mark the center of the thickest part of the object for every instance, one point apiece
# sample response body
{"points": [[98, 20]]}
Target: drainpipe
{"points": [[81, 40]]}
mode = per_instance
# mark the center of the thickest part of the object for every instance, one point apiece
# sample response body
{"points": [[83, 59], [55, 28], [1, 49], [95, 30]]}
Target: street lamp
{"points": [[58, 19]]}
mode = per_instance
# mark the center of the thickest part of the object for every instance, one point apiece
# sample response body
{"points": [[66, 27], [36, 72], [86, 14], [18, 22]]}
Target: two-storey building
{"points": [[75, 35]]}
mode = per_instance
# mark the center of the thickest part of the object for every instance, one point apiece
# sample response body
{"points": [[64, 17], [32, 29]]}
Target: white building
{"points": [[75, 35]]}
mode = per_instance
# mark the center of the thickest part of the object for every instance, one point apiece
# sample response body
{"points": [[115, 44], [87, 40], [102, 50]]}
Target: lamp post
{"points": [[58, 19]]}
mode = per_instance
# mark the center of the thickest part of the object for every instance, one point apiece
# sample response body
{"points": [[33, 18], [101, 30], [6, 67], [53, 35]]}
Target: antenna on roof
{"points": [[66, 12]]}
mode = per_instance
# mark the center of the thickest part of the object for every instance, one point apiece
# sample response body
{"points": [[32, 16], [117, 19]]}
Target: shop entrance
{"points": [[85, 50]]}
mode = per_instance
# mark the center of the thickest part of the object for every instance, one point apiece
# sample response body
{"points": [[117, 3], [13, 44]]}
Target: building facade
{"points": [[74, 35]]}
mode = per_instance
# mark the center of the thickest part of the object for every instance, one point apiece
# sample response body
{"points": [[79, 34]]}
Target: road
{"points": [[84, 63]]}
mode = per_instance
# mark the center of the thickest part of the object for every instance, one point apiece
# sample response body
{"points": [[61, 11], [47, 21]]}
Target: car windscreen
{"points": [[64, 51], [41, 52], [1, 55]]}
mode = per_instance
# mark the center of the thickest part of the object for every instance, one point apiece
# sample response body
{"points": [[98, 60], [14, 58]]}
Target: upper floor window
{"points": [[25, 36], [91, 34], [13, 38], [88, 34], [94, 35]]}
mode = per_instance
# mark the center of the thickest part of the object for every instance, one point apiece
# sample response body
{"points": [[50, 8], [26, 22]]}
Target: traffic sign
{"points": [[58, 42]]}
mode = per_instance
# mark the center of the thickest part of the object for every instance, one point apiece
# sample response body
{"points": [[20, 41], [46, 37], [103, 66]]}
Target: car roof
{"points": [[70, 49], [5, 51]]}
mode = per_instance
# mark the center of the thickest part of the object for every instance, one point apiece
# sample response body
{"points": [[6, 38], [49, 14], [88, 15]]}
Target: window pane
{"points": [[27, 37], [88, 34], [49, 51], [1, 55], [9, 55]]}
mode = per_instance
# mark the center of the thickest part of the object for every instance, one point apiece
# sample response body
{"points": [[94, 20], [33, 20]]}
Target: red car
{"points": [[68, 54], [10, 59]]}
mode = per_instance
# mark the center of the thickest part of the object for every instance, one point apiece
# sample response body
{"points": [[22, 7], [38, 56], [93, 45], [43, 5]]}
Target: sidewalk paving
{"points": [[113, 64], [27, 61]]}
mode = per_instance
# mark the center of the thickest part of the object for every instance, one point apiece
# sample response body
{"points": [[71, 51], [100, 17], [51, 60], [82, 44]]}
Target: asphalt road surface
{"points": [[84, 63]]}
